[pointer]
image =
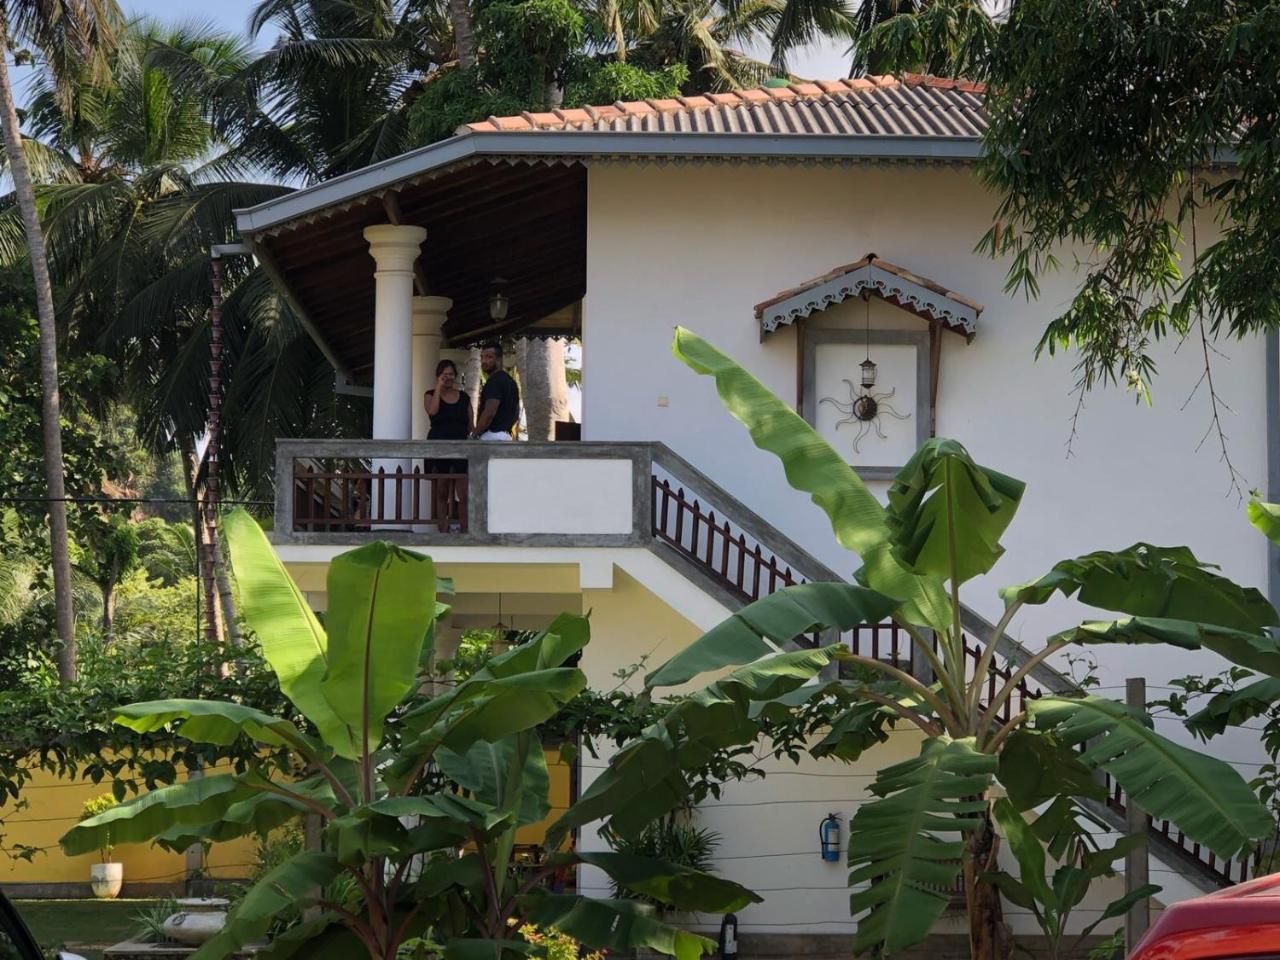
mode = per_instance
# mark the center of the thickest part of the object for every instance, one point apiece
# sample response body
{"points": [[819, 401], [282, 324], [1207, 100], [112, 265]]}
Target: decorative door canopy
{"points": [[894, 284]]}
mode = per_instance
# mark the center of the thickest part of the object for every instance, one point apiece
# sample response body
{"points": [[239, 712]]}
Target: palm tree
{"points": [[72, 37]]}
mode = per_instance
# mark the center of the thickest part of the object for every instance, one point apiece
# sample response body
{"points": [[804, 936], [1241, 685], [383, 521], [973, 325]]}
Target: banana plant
{"points": [[419, 796], [931, 820]]}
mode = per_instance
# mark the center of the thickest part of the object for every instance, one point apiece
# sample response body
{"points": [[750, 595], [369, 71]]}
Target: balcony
{"points": [[465, 493]]}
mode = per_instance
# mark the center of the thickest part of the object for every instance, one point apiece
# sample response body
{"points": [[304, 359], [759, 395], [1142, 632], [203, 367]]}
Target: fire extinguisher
{"points": [[729, 937], [829, 837]]}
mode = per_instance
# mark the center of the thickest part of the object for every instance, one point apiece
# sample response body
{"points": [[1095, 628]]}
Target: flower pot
{"points": [[106, 879], [200, 920]]}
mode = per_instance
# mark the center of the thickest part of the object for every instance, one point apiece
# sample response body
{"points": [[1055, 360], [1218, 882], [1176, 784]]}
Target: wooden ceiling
{"points": [[523, 223]]}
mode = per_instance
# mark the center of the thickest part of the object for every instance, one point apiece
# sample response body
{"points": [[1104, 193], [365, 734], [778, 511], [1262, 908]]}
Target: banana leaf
{"points": [[1028, 851], [857, 518], [946, 513], [759, 628], [282, 889], [1266, 517], [681, 887], [1035, 769], [1257, 651], [646, 778], [258, 815], [1234, 708], [193, 802], [484, 768], [1149, 581], [896, 845], [218, 722], [382, 603], [292, 640], [1204, 796]]}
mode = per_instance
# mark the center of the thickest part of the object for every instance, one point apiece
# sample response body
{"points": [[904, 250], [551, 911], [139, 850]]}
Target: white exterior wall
{"points": [[709, 242], [744, 233]]}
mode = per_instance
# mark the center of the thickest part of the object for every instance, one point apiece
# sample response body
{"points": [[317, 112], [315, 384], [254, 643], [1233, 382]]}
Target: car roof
{"points": [[1239, 919]]}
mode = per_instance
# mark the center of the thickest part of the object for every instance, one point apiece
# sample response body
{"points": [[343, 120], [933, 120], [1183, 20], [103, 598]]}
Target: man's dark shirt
{"points": [[501, 387]]}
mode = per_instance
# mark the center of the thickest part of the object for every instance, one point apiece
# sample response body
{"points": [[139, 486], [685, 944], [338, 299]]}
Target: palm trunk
{"points": [[226, 599], [471, 380], [190, 473], [464, 33], [544, 388], [108, 608], [988, 934], [51, 407]]}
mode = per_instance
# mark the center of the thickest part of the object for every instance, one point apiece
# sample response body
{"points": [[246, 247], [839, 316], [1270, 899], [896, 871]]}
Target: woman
{"points": [[450, 412]]}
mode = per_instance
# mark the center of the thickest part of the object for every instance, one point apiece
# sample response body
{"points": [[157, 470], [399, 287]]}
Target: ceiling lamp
{"points": [[498, 302]]}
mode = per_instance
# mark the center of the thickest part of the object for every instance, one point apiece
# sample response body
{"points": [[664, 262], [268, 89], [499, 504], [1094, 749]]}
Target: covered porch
{"points": [[388, 276]]}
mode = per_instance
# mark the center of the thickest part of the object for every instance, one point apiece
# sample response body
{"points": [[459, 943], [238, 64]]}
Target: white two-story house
{"points": [[802, 230]]}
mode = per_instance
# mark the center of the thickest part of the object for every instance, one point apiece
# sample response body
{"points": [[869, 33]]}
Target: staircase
{"points": [[739, 557]]}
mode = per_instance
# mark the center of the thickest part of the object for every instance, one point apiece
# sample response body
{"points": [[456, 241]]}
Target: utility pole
{"points": [[1136, 862]]}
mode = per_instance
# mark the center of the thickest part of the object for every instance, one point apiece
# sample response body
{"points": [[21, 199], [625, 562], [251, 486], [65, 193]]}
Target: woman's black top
{"points": [[451, 421]]}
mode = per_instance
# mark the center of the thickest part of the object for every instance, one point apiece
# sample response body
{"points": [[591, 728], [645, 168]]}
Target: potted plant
{"points": [[106, 877]]}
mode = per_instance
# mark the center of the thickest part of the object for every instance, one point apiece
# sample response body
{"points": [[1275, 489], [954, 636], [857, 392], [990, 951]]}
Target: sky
{"points": [[823, 62]]}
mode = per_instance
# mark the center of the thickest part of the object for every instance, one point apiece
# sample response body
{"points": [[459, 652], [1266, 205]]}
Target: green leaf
{"points": [[1119, 907], [1234, 708], [646, 778], [895, 842], [1204, 796], [1148, 581], [857, 518], [1034, 770], [947, 514], [280, 890], [1027, 850], [484, 768], [1257, 651], [1266, 517], [191, 803], [258, 815], [292, 640], [613, 925], [682, 887], [567, 635], [760, 627], [382, 603], [217, 722]]}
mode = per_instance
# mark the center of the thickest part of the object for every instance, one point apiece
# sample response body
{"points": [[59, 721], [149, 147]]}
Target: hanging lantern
{"points": [[498, 302], [868, 373], [829, 837]]}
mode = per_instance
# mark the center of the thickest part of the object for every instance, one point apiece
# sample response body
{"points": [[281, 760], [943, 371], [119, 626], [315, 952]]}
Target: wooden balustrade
{"points": [[354, 497]]}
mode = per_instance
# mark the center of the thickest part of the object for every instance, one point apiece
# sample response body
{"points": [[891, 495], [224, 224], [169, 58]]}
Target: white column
{"points": [[394, 250], [429, 315]]}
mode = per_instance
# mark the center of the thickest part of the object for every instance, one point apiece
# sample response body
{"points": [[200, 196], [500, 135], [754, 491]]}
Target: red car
{"points": [[1239, 923]]}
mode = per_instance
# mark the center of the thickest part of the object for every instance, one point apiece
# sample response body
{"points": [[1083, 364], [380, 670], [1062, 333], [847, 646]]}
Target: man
{"points": [[499, 399]]}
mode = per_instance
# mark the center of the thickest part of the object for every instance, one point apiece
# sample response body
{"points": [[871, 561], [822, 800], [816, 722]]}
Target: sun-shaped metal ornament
{"points": [[864, 409]]}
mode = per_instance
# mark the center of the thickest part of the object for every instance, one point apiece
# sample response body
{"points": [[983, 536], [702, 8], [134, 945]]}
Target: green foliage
{"points": [[1080, 861], [622, 80], [149, 921], [671, 840], [934, 815], [383, 770]]}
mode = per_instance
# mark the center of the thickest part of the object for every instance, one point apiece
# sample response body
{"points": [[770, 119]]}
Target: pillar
{"points": [[429, 315], [394, 250]]}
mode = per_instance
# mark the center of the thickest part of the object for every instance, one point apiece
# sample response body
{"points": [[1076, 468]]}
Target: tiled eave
{"points": [[925, 298]]}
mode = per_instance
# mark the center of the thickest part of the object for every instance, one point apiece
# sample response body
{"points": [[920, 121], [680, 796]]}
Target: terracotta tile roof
{"points": [[911, 105], [924, 297]]}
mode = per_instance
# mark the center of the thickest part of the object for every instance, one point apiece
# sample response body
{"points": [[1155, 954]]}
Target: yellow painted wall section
{"points": [[53, 807]]}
